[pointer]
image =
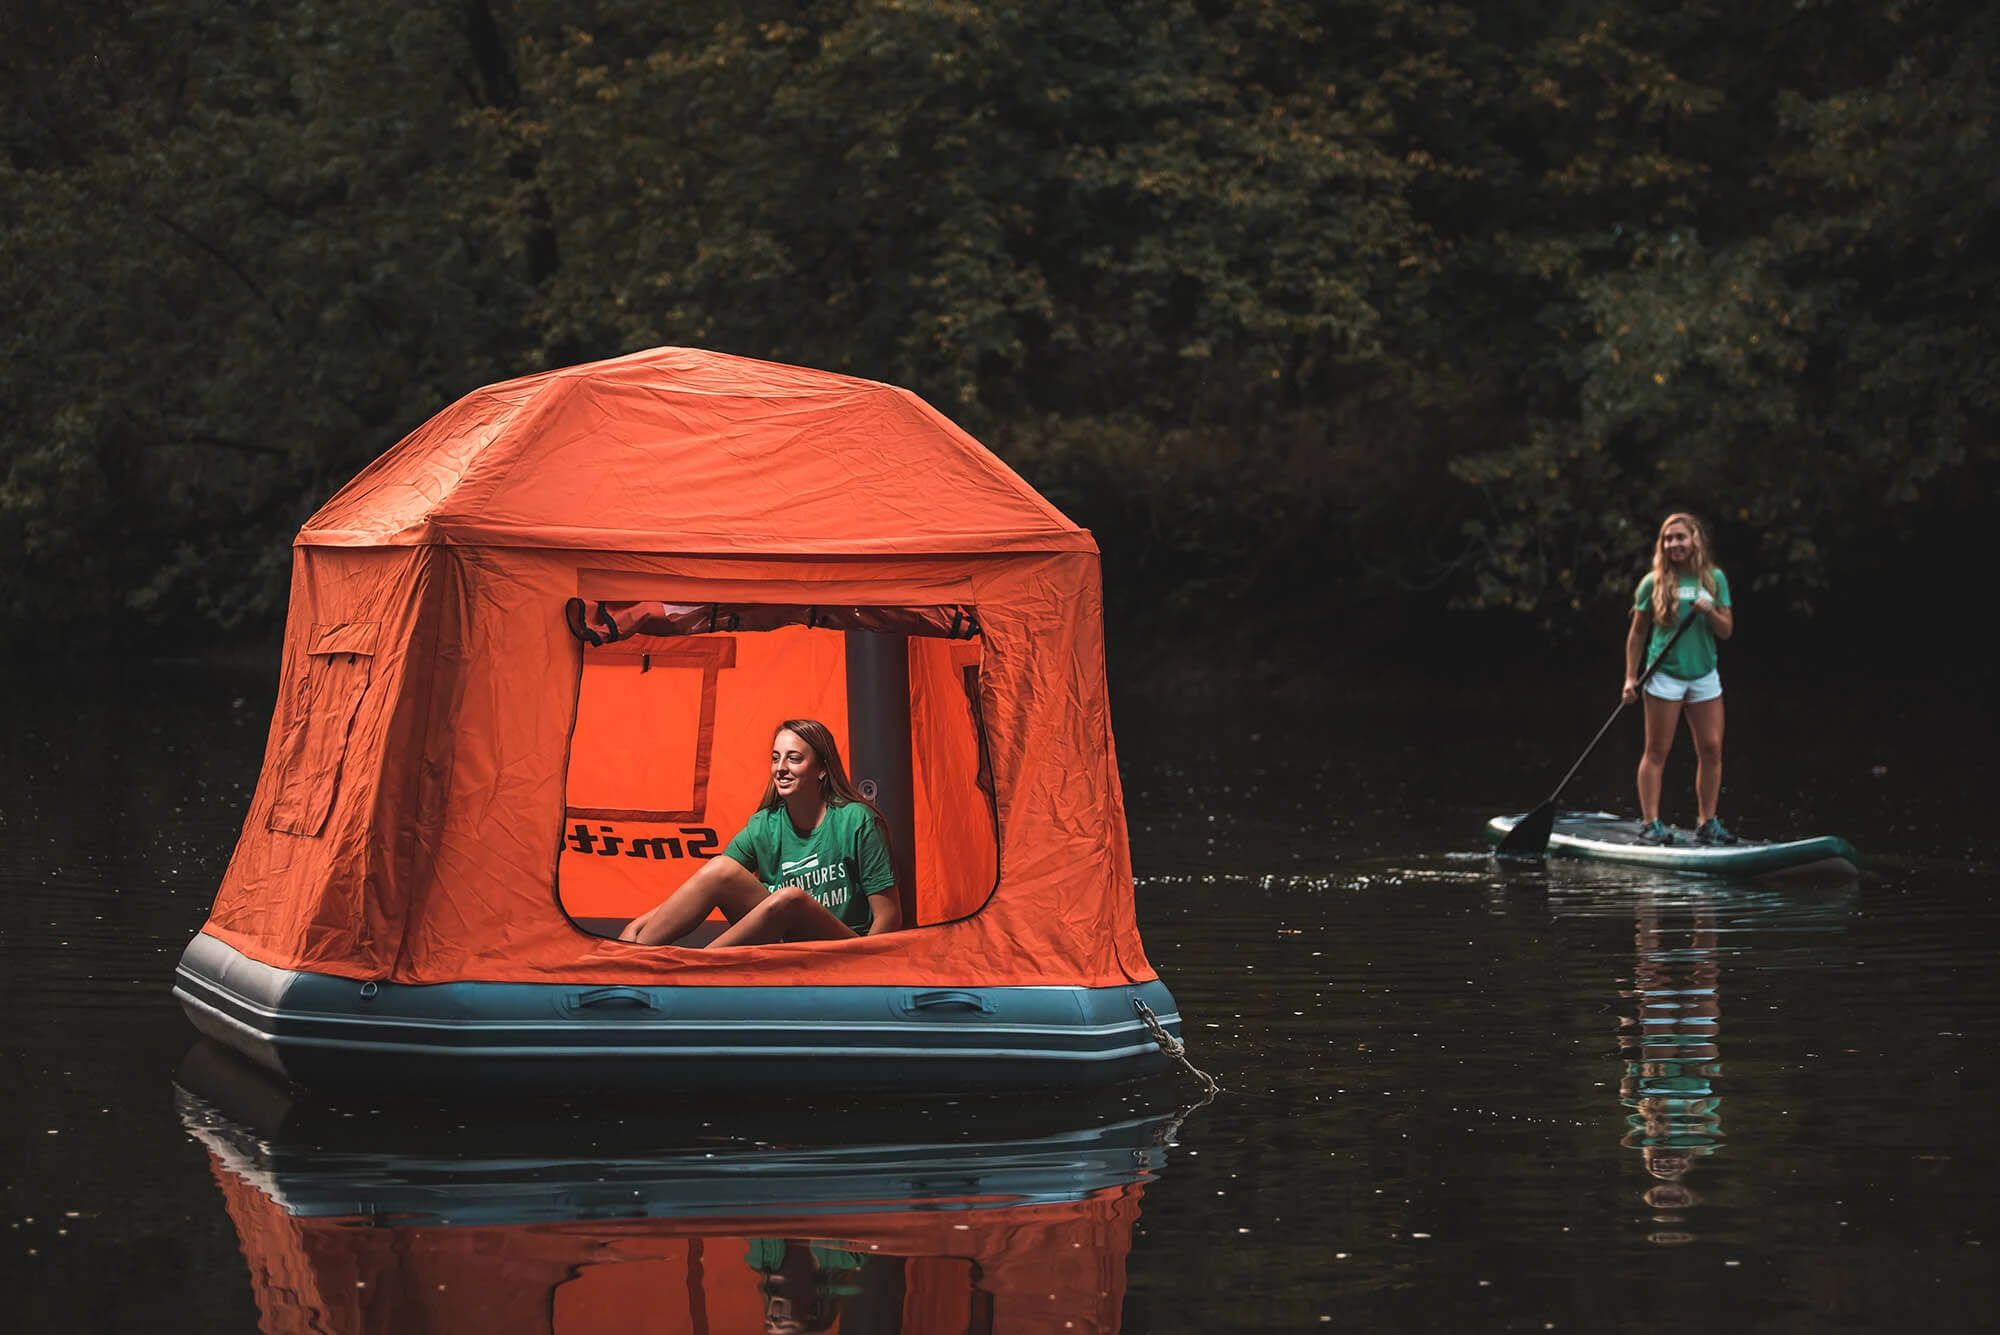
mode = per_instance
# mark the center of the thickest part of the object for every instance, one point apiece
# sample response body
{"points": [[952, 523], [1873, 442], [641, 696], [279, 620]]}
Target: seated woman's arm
{"points": [[885, 911]]}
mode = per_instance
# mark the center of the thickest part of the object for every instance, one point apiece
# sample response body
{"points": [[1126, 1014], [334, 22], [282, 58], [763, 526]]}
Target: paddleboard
{"points": [[1604, 837]]}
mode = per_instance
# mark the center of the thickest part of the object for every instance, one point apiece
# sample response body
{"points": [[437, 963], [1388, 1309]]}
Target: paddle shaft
{"points": [[1639, 683]]}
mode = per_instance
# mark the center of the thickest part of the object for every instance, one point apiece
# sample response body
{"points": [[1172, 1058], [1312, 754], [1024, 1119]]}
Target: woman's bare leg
{"points": [[788, 914], [1662, 717], [721, 883], [1705, 722]]}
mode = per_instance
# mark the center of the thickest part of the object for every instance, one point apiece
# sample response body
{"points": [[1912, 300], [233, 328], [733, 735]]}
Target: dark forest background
{"points": [[1360, 314]]}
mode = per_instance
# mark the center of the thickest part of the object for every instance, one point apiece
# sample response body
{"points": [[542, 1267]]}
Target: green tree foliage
{"points": [[1148, 250], [1419, 298], [243, 256], [1763, 303]]}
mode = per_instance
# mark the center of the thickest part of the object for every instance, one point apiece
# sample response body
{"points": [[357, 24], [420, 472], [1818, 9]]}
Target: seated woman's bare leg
{"points": [[721, 883], [788, 914]]}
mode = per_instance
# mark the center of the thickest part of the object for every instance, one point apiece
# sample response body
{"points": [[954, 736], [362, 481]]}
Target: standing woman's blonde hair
{"points": [[1667, 593]]}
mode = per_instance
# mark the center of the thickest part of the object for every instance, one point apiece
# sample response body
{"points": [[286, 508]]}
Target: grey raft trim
{"points": [[320, 1029]]}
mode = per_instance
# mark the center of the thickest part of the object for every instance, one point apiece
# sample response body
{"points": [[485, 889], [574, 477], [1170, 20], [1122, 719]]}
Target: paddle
{"points": [[1530, 836]]}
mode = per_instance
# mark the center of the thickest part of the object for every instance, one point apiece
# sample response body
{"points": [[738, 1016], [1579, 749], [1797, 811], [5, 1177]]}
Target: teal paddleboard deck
{"points": [[1604, 837]]}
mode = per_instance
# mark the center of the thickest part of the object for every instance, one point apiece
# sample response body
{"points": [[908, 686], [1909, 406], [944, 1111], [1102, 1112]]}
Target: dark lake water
{"points": [[1454, 1097]]}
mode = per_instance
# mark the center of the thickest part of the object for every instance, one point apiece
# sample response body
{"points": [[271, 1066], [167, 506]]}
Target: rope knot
{"points": [[1173, 1048]]}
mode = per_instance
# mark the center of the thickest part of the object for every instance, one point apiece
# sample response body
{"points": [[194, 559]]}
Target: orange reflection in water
{"points": [[1022, 1267], [958, 1218]]}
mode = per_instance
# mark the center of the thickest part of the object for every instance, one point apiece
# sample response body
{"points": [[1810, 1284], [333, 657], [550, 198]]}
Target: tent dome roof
{"points": [[678, 450]]}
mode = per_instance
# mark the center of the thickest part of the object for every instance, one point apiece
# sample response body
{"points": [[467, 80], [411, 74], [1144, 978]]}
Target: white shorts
{"points": [[1706, 687]]}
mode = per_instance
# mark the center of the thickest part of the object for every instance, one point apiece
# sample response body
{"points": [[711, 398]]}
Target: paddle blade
{"points": [[1530, 836]]}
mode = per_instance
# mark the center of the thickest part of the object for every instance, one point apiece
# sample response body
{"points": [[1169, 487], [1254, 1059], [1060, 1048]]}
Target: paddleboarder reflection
{"points": [[1669, 1046], [811, 1286]]}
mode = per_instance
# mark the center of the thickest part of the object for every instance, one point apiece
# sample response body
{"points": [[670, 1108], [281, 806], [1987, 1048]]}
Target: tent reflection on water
{"points": [[493, 1228]]}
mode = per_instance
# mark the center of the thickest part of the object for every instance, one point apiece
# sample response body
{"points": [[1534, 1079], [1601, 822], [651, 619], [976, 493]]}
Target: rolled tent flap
{"points": [[609, 622], [414, 823]]}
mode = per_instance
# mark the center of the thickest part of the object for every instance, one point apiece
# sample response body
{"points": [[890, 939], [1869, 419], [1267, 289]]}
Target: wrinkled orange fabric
{"points": [[685, 477]]}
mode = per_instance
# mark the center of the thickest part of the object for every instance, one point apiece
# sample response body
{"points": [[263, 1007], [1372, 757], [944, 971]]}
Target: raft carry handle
{"points": [[950, 1000], [612, 996]]}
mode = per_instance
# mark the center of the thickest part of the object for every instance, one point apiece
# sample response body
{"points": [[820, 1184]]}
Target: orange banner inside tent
{"points": [[441, 734]]}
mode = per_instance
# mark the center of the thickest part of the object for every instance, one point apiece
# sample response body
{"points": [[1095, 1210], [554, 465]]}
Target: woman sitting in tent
{"points": [[811, 865]]}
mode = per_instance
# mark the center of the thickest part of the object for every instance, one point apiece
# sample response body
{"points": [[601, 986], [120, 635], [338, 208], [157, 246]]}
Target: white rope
{"points": [[1173, 1048]]}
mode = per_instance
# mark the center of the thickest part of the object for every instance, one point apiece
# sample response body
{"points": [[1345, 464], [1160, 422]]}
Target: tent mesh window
{"points": [[318, 712], [676, 708]]}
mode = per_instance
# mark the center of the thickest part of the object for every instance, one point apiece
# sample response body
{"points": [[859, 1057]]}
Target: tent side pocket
{"points": [[319, 715]]}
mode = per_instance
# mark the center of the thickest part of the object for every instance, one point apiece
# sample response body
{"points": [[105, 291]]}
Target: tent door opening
{"points": [[671, 748]]}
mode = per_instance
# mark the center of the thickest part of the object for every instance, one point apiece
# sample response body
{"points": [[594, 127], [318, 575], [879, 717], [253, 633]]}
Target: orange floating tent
{"points": [[459, 788]]}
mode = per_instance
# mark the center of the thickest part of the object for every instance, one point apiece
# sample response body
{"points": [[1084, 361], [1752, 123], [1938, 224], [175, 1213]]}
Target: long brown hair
{"points": [[1667, 594], [819, 740]]}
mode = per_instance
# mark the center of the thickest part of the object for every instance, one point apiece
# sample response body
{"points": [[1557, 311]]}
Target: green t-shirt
{"points": [[1695, 655], [837, 1263], [840, 863]]}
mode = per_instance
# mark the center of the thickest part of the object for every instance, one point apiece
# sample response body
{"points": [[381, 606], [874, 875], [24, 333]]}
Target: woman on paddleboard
{"points": [[1683, 583]]}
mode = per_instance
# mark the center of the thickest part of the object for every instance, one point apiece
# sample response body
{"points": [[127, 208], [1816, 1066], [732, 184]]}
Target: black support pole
{"points": [[878, 743]]}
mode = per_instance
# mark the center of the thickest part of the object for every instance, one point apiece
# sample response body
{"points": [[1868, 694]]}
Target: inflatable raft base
{"points": [[321, 1030]]}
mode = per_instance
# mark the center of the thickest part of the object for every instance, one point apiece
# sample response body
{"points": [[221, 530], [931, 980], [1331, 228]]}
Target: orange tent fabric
{"points": [[438, 726]]}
